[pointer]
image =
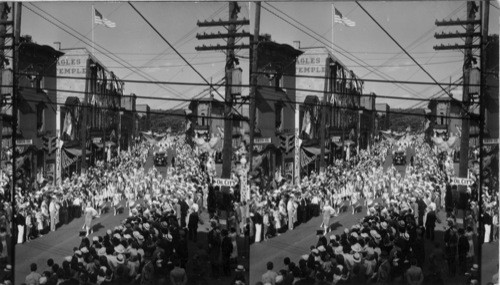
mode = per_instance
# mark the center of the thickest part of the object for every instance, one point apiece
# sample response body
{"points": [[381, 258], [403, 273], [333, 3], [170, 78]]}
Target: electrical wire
{"points": [[242, 118], [261, 87], [117, 59], [408, 54], [330, 45], [180, 55]]}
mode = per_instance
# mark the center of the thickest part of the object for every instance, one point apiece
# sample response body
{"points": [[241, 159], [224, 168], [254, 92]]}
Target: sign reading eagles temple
{"points": [[72, 64], [311, 63]]}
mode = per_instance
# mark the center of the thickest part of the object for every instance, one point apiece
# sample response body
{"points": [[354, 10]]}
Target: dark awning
{"points": [[315, 150]]}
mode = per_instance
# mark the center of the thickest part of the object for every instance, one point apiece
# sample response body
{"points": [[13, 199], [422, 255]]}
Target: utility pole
{"points": [[4, 13], [253, 78], [231, 35], [15, 97], [85, 105], [322, 163], [469, 35], [485, 12]]}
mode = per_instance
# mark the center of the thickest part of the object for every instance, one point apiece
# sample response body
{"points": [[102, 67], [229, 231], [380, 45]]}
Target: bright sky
{"points": [[134, 42]]}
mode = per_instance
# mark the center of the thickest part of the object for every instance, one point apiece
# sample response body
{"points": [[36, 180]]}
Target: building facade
{"points": [[86, 134], [275, 108], [144, 115], [323, 80], [383, 118], [37, 108], [128, 121]]}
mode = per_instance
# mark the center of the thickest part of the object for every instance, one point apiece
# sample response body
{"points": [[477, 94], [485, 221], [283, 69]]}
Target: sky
{"points": [[364, 48]]}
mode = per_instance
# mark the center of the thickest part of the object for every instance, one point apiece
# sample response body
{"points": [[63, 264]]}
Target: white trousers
{"points": [[20, 233], [258, 231]]}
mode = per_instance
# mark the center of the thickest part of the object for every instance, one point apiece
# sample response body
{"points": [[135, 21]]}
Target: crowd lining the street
{"points": [[387, 245], [151, 245]]}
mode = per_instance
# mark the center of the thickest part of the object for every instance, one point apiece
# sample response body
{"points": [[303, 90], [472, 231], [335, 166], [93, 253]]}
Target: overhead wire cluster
{"points": [[213, 87]]}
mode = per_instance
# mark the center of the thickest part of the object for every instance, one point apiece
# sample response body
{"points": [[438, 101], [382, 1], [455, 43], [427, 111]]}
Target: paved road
{"points": [[295, 243], [59, 244]]}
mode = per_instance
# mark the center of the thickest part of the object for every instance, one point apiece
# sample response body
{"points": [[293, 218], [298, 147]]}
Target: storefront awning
{"points": [[108, 144], [315, 150], [74, 151], [68, 159]]}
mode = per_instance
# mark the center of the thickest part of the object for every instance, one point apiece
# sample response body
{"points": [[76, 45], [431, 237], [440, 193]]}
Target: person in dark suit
{"points": [[193, 226], [430, 223], [226, 249], [214, 248], [463, 248]]}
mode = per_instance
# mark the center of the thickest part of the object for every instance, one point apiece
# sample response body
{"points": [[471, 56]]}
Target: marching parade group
{"points": [[400, 213], [388, 245], [151, 245]]}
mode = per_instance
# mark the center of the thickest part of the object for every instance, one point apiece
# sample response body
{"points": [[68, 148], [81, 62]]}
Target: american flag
{"points": [[100, 20], [338, 18]]}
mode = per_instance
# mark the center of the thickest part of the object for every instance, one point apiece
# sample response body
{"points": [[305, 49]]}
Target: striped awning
{"points": [[67, 159]]}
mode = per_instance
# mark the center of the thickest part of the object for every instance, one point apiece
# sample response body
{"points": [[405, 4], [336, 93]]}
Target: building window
{"points": [[202, 119], [278, 112], [442, 118], [40, 117], [40, 82]]}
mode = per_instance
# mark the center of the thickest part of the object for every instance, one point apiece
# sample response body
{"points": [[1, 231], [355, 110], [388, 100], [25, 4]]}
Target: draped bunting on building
{"points": [[453, 143], [306, 157], [67, 158]]}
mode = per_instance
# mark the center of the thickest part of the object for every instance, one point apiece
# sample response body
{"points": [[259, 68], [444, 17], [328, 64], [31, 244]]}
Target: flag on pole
{"points": [[338, 18], [100, 20]]}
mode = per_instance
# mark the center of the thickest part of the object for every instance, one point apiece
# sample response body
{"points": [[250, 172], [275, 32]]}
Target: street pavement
{"points": [[295, 243], [59, 244]]}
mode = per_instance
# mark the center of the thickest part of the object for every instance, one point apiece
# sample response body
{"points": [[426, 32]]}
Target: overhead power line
{"points": [[286, 100], [108, 54], [345, 53], [402, 48], [174, 49], [242, 118]]}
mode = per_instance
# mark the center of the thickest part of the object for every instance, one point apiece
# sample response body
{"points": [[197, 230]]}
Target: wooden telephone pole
{"points": [[253, 77], [4, 14], [231, 35], [467, 48], [470, 35]]}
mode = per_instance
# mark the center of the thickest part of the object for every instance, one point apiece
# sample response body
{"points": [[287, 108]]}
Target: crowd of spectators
{"points": [[151, 245], [387, 245]]}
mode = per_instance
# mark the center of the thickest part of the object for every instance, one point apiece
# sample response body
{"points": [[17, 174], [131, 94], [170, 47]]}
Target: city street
{"points": [[294, 244], [374, 119], [59, 244]]}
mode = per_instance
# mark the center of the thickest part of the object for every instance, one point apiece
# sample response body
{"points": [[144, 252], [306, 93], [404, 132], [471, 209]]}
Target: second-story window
{"points": [[40, 117], [279, 117]]}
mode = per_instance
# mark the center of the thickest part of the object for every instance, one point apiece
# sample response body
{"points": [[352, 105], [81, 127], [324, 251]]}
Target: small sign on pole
{"points": [[225, 182], [490, 141], [461, 181], [262, 140], [24, 142]]}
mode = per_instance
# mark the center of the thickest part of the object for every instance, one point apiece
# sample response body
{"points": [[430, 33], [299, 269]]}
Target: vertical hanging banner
{"points": [[57, 177], [244, 190], [296, 162]]}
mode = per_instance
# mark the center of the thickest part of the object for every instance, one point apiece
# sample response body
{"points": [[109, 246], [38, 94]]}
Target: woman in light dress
{"points": [[90, 213], [327, 213]]}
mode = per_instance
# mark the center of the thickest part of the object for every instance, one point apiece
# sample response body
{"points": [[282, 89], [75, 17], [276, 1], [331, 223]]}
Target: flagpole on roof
{"points": [[93, 20], [333, 22]]}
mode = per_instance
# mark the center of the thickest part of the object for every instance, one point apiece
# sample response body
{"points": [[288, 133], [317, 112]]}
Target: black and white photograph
{"points": [[249, 143]]}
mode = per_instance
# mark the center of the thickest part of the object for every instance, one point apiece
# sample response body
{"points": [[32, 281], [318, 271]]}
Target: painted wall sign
{"points": [[313, 63]]}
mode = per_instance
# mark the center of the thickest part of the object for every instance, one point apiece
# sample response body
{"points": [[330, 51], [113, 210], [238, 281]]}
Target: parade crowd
{"points": [[151, 244], [387, 246]]}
